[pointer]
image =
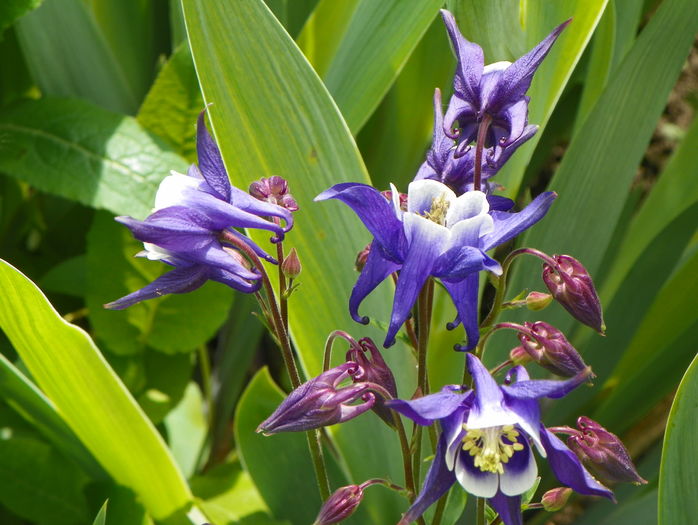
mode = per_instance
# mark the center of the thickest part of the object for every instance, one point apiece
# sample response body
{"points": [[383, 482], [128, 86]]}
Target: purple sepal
{"points": [[427, 409], [508, 508]]}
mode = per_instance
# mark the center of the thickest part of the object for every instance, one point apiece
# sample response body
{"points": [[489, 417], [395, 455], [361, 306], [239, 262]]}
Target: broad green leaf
{"points": [[11, 10], [275, 462], [166, 379], [678, 475], [186, 429], [101, 518], [377, 42], [123, 507], [230, 497], [171, 324], [39, 484], [593, 179], [173, 103], [84, 153], [68, 367], [493, 26], [68, 277], [28, 401], [76, 62]]}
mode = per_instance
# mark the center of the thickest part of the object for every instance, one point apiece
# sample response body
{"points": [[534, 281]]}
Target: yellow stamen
{"points": [[438, 210], [488, 447]]}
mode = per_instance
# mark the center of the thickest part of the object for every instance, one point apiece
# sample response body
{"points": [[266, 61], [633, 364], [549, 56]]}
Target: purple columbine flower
{"points": [[193, 216], [492, 95], [439, 235], [457, 169], [320, 402], [487, 438]]}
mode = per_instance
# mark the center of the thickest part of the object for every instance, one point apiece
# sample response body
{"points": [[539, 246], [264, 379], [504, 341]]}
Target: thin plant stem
{"points": [[205, 370], [440, 508], [480, 516], [315, 446], [406, 456], [327, 354]]}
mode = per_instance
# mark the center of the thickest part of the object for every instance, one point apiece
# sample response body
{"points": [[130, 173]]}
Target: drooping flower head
{"points": [[487, 439], [494, 94], [438, 235], [193, 213]]}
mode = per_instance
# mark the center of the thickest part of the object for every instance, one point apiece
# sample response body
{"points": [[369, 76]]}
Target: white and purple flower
{"points": [[487, 439], [439, 235]]}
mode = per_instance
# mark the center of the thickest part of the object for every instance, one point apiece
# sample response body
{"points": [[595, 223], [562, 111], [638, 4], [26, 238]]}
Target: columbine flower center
{"points": [[438, 210], [489, 448]]}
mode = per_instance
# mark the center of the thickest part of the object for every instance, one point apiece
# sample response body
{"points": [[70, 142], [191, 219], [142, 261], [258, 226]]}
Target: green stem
{"points": [[205, 370], [440, 508], [480, 516], [315, 447], [406, 456], [283, 300]]}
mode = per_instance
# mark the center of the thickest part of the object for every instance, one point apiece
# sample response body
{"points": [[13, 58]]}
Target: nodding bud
{"points": [[549, 348], [291, 266], [373, 369], [556, 498], [340, 505], [572, 287], [273, 189], [361, 258], [321, 402], [603, 453], [537, 301]]}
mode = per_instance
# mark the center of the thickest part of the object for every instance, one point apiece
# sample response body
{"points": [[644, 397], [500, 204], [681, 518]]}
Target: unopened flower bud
{"points": [[519, 356], [402, 198], [340, 505], [572, 287], [361, 258], [603, 453], [549, 347], [291, 265], [556, 498], [537, 301], [273, 189], [320, 402], [374, 370]]}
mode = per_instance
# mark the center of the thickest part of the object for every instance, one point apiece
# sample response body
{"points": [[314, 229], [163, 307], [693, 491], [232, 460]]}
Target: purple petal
{"points": [[179, 280], [375, 212], [508, 508], [425, 410], [537, 388], [499, 203], [234, 281], [437, 482], [506, 152], [210, 161], [471, 62], [488, 409], [568, 469], [255, 247], [458, 262], [517, 78], [515, 120], [374, 272], [250, 204], [509, 225], [466, 114], [464, 294]]}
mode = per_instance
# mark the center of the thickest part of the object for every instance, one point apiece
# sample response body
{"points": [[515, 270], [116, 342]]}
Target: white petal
{"points": [[482, 485], [469, 231], [513, 483], [154, 252], [173, 190], [496, 66], [470, 204], [396, 201], [416, 225], [421, 194]]}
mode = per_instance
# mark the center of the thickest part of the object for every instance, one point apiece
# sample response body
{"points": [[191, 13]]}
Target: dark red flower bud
{"points": [[340, 505], [603, 453], [373, 369], [320, 402], [549, 347], [273, 189], [291, 265], [362, 257], [556, 498], [572, 287]]}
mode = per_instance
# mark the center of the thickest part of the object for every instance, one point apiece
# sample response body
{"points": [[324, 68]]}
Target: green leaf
{"points": [[67, 277], [69, 368], [81, 152], [276, 462], [507, 30], [76, 62], [173, 103], [28, 401], [11, 10], [593, 177], [678, 475], [377, 42], [186, 429], [39, 484], [101, 518], [171, 324]]}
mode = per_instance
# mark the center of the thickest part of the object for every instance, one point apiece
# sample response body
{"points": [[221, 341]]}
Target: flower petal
{"points": [[537, 388], [509, 225], [427, 409], [475, 481], [469, 205], [471, 62], [421, 194], [520, 472], [508, 508], [210, 161], [236, 282], [458, 262], [568, 469], [179, 280], [437, 482], [374, 272], [467, 117], [464, 294], [489, 409], [375, 212]]}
